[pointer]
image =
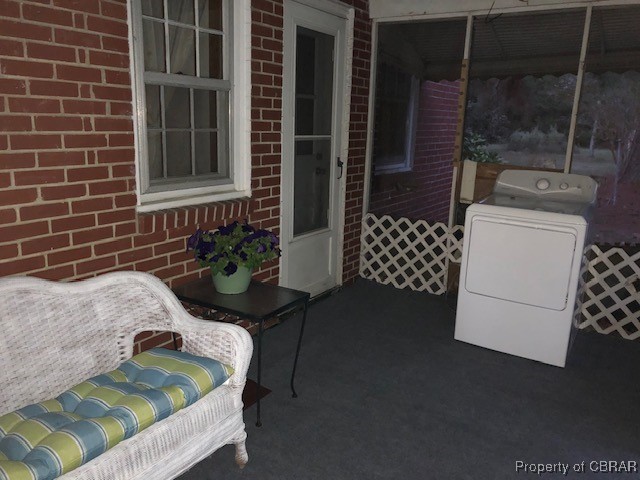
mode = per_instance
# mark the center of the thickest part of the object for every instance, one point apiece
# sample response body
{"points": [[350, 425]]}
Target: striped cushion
{"points": [[47, 439]]}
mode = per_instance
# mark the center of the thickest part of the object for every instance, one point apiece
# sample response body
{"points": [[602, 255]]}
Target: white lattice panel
{"points": [[407, 254], [611, 300]]}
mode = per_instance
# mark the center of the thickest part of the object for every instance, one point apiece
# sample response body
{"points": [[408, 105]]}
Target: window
{"points": [[521, 89], [189, 91], [395, 117]]}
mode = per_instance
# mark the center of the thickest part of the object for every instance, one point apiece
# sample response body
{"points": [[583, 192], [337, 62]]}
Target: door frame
{"points": [[288, 110]]}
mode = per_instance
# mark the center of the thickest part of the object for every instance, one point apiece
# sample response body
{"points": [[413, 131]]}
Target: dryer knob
{"points": [[543, 184]]}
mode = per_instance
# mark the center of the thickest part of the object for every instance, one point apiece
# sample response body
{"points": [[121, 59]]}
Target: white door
{"points": [[313, 150]]}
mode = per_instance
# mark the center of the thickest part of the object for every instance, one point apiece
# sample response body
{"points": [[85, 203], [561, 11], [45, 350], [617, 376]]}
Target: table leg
{"points": [[260, 327], [295, 362]]}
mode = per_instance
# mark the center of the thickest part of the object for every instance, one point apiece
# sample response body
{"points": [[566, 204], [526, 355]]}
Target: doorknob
{"points": [[340, 166]]}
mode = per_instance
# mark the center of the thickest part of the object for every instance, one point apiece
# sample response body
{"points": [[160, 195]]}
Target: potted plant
{"points": [[232, 252]]}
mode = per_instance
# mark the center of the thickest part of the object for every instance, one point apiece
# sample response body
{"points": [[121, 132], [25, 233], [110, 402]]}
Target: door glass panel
{"points": [[314, 82], [312, 175], [153, 33], [182, 50], [181, 11], [178, 153]]}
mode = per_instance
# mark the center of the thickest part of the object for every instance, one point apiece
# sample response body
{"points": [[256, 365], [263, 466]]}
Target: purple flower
{"points": [[231, 268], [227, 230], [261, 248], [193, 240], [247, 228]]}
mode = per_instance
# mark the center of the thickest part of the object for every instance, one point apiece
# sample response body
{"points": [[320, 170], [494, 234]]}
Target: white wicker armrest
{"points": [[225, 342]]}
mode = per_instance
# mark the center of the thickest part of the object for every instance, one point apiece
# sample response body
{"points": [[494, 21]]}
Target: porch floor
{"points": [[385, 392]]}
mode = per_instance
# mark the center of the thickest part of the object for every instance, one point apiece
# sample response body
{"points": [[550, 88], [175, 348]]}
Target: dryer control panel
{"points": [[553, 186]]}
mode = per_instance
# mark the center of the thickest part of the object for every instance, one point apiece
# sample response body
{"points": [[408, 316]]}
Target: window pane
{"points": [[210, 14], [206, 152], [178, 154], [181, 11], [154, 139], [183, 50], [153, 8], [210, 55], [312, 186], [607, 140], [152, 95], [205, 105], [176, 107], [314, 82], [153, 33]]}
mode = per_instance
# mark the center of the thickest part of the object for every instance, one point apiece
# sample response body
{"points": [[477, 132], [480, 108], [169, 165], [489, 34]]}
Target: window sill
{"points": [[206, 215]]}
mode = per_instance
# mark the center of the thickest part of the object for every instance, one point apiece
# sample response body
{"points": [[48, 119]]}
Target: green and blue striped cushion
{"points": [[47, 439]]}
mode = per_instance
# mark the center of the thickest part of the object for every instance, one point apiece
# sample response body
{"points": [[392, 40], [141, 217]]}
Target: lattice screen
{"points": [[416, 254], [611, 300], [407, 254]]}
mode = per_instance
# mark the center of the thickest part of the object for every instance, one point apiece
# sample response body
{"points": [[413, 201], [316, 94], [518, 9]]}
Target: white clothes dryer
{"points": [[521, 259]]}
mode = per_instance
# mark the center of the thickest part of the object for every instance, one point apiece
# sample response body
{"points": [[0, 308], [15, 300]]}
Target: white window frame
{"points": [[404, 163], [238, 64]]}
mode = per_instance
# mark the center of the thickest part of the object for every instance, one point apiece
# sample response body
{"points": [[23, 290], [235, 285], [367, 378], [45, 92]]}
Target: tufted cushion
{"points": [[47, 439]]}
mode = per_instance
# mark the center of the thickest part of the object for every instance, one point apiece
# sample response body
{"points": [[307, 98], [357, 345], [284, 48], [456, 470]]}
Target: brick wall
{"points": [[67, 173], [425, 192]]}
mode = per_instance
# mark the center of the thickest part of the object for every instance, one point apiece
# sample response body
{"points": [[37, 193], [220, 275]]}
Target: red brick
{"points": [[5, 179], [22, 265], [120, 155], [78, 5], [92, 235], [15, 123], [52, 15], [113, 10], [120, 109], [172, 271], [76, 38], [16, 197], [92, 205], [96, 265], [68, 256], [108, 59], [104, 25], [19, 29], [114, 124], [53, 88], [62, 158], [51, 52], [134, 255], [63, 192], [111, 93], [121, 140], [123, 229], [118, 171], [128, 200], [9, 8], [58, 124], [43, 244], [117, 216], [9, 251], [65, 272], [76, 222], [47, 210], [79, 74], [84, 106], [111, 186], [114, 246], [34, 105], [8, 215], [38, 177], [11, 48], [27, 68], [152, 264], [23, 230], [12, 86], [85, 140], [35, 142], [117, 77], [87, 173]]}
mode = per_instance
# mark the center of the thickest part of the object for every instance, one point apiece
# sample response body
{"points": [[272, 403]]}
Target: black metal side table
{"points": [[259, 303]]}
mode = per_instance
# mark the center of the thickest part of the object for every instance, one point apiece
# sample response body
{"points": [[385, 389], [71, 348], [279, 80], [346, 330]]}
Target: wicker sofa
{"points": [[56, 335]]}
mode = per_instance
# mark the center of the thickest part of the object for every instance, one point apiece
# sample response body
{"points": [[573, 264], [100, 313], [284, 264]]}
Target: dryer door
{"points": [[520, 261]]}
